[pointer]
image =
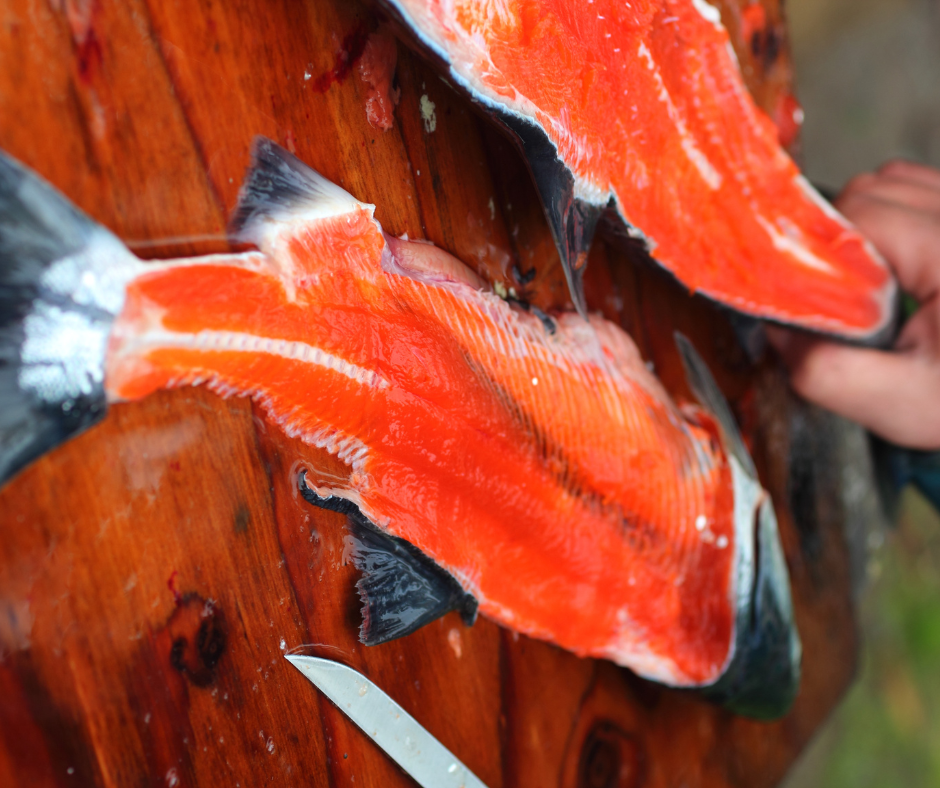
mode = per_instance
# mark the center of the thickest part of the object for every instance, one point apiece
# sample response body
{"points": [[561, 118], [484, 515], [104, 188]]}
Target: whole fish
{"points": [[640, 108], [531, 468]]}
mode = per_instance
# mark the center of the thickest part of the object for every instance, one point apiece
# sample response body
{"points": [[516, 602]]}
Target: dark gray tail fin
{"points": [[62, 281]]}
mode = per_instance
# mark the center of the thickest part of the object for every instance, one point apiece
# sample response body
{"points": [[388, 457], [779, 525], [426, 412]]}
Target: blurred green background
{"points": [[886, 734], [868, 75]]}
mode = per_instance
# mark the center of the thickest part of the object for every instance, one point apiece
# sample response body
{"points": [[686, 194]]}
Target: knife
{"points": [[385, 722]]}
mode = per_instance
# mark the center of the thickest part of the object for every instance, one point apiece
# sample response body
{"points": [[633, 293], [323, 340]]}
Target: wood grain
{"points": [[154, 570]]}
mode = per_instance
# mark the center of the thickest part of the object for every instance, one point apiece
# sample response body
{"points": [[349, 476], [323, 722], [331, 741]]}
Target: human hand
{"points": [[895, 393]]}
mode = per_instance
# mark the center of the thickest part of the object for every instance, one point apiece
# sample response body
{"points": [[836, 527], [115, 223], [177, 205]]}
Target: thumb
{"points": [[894, 394]]}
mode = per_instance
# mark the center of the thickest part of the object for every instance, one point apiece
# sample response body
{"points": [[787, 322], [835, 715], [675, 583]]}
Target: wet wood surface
{"points": [[154, 570]]}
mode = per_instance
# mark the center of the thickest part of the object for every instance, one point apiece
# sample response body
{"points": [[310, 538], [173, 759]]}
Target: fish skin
{"points": [[641, 107], [547, 472], [52, 382]]}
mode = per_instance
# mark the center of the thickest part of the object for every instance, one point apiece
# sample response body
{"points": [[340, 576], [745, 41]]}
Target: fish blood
{"points": [[642, 106], [541, 468]]}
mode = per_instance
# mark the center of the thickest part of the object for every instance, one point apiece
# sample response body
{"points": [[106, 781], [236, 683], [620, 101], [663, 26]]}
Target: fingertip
{"points": [[820, 370], [913, 172], [805, 358], [896, 167], [856, 184], [810, 367]]}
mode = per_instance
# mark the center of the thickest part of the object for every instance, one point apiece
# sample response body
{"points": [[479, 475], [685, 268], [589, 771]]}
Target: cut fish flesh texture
{"points": [[642, 105], [548, 472], [542, 467]]}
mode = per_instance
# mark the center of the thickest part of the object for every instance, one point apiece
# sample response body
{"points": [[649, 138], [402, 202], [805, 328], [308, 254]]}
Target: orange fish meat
{"points": [[640, 108], [528, 467]]}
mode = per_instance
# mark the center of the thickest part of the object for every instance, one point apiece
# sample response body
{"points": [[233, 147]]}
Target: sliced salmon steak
{"points": [[640, 107], [528, 468]]}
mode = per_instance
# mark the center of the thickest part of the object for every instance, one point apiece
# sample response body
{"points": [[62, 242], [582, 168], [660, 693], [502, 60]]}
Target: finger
{"points": [[909, 239], [892, 394], [910, 193], [899, 168], [921, 333]]}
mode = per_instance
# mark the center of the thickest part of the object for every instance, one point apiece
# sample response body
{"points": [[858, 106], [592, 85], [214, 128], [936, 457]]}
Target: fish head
{"points": [[762, 677]]}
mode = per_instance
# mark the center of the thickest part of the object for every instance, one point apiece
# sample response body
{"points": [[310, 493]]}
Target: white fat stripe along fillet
{"points": [[794, 247], [706, 169], [347, 448], [240, 342]]}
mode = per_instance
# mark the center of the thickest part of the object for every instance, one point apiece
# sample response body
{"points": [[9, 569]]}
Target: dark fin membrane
{"points": [[572, 221], [401, 588], [61, 285], [763, 676], [277, 187]]}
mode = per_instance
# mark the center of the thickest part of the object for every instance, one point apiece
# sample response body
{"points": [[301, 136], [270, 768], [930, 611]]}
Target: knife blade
{"points": [[396, 732]]}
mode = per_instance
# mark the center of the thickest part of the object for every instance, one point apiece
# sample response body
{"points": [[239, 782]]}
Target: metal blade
{"points": [[385, 722]]}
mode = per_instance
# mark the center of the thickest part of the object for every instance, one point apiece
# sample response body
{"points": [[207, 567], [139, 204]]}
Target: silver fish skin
{"points": [[62, 285]]}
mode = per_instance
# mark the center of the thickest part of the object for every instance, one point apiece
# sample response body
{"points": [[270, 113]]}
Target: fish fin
{"points": [[279, 188], [706, 390], [574, 228], [401, 588], [572, 221], [62, 283], [763, 677]]}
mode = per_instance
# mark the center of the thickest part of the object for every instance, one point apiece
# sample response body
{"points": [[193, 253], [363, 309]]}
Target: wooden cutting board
{"points": [[154, 571]]}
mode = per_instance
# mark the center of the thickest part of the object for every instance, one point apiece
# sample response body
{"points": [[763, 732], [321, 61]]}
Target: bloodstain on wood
{"points": [[347, 53], [155, 570]]}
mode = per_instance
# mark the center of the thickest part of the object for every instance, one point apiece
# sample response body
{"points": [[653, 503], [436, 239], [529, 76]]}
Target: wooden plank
{"points": [[154, 570]]}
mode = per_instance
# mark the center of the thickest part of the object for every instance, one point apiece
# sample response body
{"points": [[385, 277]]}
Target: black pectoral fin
{"points": [[574, 223], [401, 588]]}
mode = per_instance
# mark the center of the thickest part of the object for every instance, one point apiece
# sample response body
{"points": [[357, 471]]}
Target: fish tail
{"points": [[62, 282]]}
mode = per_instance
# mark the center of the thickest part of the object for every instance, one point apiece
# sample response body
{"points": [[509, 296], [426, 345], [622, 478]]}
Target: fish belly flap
{"points": [[645, 105]]}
